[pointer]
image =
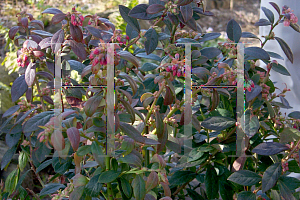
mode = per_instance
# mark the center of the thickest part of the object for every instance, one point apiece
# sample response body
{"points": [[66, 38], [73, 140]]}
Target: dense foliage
{"points": [[152, 158]]}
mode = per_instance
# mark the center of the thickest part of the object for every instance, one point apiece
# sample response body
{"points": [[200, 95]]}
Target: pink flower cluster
{"points": [[176, 70], [249, 86], [265, 91], [289, 17], [77, 20], [23, 60], [98, 55]]}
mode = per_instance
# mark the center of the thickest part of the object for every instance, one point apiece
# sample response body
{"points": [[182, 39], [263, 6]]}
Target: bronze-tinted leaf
{"points": [[92, 104], [152, 181], [58, 18], [169, 98], [58, 140], [74, 137], [155, 8], [166, 188], [12, 32], [129, 57], [76, 33]]}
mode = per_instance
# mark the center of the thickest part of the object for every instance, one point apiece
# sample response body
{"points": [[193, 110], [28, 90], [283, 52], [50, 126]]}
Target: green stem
{"points": [[272, 28], [40, 94], [152, 107], [109, 187]]}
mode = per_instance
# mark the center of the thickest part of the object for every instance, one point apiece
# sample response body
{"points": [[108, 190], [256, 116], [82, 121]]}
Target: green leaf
{"points": [[249, 35], [250, 124], [246, 195], [131, 159], [209, 36], [194, 195], [11, 111], [98, 154], [43, 165], [293, 166], [83, 150], [218, 123], [210, 52], [225, 187], [148, 67], [129, 109], [150, 56], [126, 187], [77, 193], [244, 177], [286, 49], [269, 148], [269, 14], [61, 165], [152, 41], [7, 157], [130, 20], [93, 187], [108, 176], [275, 6], [296, 27], [274, 195], [291, 182], [38, 120], [289, 135], [76, 65], [211, 183], [18, 88], [275, 55], [131, 132], [263, 22], [12, 181], [280, 69], [51, 188], [294, 115], [139, 187], [234, 31], [257, 53], [271, 176], [22, 179], [285, 192], [181, 177]]}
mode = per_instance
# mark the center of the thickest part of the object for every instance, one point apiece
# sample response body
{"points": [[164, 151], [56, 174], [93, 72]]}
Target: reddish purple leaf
{"points": [[18, 88], [74, 137], [38, 53], [38, 22], [45, 43], [29, 95], [24, 22], [36, 38], [46, 75], [57, 40], [78, 49], [52, 11], [13, 31], [155, 8], [30, 74], [58, 18], [76, 33], [58, 140], [48, 99]]}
